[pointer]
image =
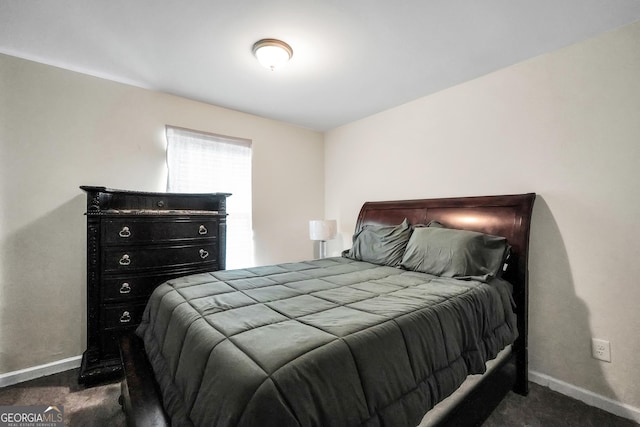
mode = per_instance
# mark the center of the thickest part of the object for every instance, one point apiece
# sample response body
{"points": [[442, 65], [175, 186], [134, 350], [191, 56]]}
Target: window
{"points": [[201, 162]]}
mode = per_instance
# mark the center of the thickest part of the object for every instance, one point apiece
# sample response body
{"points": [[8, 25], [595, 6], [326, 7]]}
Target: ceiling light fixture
{"points": [[272, 53]]}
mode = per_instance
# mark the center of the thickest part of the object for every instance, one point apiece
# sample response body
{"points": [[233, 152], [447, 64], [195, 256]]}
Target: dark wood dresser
{"points": [[135, 242]]}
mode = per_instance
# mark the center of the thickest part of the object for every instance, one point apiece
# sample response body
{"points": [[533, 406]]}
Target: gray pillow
{"points": [[448, 252], [379, 244]]}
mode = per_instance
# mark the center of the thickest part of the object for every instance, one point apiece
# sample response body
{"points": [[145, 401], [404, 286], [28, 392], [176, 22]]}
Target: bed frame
{"points": [[507, 216]]}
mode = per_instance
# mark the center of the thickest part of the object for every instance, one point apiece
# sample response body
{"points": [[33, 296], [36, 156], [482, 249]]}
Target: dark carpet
{"points": [[98, 406], [87, 407]]}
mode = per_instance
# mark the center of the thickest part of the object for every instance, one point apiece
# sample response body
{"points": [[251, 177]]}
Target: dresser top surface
{"points": [[152, 212], [90, 188]]}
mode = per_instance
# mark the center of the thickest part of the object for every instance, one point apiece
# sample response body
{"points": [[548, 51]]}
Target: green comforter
{"points": [[331, 342]]}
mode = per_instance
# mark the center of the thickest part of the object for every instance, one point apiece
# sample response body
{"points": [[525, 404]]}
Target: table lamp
{"points": [[323, 230]]}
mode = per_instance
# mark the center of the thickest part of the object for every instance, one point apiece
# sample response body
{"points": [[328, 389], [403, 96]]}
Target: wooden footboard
{"points": [[483, 398], [141, 397]]}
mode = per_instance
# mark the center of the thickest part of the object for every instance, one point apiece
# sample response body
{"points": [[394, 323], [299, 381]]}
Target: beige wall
{"points": [[565, 125], [59, 130]]}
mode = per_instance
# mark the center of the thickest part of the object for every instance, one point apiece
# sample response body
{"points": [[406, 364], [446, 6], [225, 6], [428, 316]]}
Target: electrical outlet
{"points": [[601, 349]]}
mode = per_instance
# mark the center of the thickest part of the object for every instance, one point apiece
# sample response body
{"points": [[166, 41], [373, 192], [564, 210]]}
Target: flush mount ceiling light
{"points": [[272, 53]]}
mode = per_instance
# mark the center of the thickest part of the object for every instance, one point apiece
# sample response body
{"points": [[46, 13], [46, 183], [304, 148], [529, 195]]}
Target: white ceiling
{"points": [[352, 58]]}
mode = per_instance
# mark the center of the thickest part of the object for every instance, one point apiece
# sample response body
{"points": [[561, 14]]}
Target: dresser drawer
{"points": [[122, 316], [132, 230], [121, 259], [131, 287], [134, 286]]}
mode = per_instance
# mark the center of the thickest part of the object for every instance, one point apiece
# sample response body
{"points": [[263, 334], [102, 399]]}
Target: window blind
{"points": [[200, 162]]}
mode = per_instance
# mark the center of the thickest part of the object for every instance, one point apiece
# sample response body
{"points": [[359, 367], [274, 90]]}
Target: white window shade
{"points": [[200, 162]]}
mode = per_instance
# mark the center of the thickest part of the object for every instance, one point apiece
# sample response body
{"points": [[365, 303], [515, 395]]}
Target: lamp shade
{"points": [[323, 229]]}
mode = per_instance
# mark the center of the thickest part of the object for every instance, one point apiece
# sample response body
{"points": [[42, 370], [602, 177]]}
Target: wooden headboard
{"points": [[507, 216]]}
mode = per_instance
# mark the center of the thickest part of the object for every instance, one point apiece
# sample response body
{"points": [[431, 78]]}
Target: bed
{"points": [[347, 340]]}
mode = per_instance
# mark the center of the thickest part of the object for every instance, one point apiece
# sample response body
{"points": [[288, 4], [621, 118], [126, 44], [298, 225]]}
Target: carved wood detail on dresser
{"points": [[136, 241]]}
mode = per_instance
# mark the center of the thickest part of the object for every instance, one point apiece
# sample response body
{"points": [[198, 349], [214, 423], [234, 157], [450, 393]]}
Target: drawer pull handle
{"points": [[125, 232], [202, 230], [125, 260], [125, 288], [203, 254], [126, 317]]}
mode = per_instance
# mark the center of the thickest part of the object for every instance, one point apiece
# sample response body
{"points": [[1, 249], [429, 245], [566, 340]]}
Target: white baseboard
{"points": [[586, 396], [27, 374]]}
